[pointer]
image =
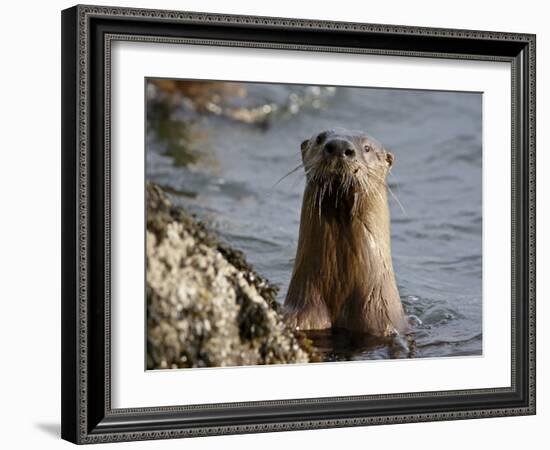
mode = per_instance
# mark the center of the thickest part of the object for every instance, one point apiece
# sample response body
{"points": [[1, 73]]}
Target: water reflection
{"points": [[342, 345]]}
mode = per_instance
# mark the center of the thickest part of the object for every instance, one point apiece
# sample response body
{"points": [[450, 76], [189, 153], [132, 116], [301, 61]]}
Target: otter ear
{"points": [[304, 145], [389, 158]]}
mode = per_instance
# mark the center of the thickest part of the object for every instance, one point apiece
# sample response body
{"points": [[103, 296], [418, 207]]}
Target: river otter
{"points": [[343, 274]]}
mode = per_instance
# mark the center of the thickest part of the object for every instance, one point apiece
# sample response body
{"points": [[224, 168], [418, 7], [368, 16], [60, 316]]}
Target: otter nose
{"points": [[339, 148]]}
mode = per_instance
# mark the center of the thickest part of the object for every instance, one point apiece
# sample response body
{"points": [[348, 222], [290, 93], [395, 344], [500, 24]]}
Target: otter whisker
{"points": [[391, 192], [380, 193], [355, 206], [311, 207], [397, 200], [288, 174], [318, 196], [314, 205], [323, 190], [376, 191], [373, 186], [373, 174]]}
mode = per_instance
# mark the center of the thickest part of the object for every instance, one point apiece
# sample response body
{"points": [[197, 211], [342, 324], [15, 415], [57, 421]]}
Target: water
{"points": [[226, 171]]}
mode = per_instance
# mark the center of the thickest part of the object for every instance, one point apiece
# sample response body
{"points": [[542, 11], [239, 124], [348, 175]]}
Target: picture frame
{"points": [[87, 35]]}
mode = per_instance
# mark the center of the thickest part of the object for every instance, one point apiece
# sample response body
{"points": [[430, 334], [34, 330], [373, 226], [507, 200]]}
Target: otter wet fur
{"points": [[343, 274]]}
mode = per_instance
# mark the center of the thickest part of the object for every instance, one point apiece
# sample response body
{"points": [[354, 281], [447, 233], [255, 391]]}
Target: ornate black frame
{"points": [[87, 32]]}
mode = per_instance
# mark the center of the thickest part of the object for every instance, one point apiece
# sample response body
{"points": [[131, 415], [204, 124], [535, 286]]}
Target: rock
{"points": [[202, 94], [206, 306]]}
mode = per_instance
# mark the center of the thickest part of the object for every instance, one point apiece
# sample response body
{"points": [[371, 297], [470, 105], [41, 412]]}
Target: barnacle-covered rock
{"points": [[206, 306]]}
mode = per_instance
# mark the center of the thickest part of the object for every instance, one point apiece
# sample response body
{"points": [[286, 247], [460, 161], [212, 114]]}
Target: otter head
{"points": [[345, 167]]}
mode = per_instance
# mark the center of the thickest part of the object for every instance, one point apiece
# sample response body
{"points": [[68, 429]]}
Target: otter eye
{"points": [[320, 138], [367, 148]]}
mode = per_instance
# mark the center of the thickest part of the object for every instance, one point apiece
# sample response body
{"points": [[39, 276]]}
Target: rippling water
{"points": [[228, 175]]}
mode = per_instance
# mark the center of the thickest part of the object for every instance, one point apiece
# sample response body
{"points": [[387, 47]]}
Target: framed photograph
{"points": [[281, 224]]}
